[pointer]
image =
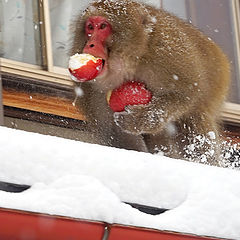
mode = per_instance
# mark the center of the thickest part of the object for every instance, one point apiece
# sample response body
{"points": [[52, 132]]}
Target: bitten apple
{"points": [[84, 67], [130, 93]]}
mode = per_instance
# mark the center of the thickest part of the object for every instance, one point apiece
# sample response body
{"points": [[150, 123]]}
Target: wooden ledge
{"points": [[37, 102]]}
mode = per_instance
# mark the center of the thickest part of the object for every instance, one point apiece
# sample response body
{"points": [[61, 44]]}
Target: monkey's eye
{"points": [[103, 25], [90, 26]]}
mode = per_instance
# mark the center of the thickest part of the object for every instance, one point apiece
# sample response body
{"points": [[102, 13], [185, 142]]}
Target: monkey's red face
{"points": [[97, 31]]}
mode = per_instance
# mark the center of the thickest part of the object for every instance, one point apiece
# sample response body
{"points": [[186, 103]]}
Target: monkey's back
{"points": [[185, 58]]}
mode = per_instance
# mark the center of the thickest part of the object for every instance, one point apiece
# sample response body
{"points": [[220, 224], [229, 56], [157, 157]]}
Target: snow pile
{"points": [[89, 181]]}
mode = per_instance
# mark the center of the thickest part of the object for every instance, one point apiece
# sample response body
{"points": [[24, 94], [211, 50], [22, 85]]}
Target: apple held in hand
{"points": [[130, 93], [84, 67]]}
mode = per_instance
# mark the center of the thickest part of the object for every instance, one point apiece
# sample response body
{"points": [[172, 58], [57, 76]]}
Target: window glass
{"points": [[178, 7], [215, 19], [62, 12], [19, 31]]}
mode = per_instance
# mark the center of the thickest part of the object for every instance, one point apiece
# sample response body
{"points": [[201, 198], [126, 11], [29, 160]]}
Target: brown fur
{"points": [[186, 72]]}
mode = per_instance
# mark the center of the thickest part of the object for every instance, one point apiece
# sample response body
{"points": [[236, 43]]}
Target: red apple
{"points": [[84, 67], [130, 93]]}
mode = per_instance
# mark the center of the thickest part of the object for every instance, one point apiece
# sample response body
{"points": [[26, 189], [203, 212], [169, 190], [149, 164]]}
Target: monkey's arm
{"points": [[155, 116]]}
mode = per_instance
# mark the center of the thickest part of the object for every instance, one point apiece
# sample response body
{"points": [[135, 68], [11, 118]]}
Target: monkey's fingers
{"points": [[129, 121], [140, 119]]}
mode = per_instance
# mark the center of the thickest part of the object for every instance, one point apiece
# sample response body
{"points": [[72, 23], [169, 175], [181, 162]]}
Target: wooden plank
{"points": [[42, 103], [231, 113], [46, 35], [24, 70]]}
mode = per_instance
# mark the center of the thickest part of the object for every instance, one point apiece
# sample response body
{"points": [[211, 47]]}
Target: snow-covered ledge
{"points": [[89, 181]]}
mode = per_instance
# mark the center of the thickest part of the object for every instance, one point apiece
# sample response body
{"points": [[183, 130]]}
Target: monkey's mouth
{"points": [[103, 63], [104, 66]]}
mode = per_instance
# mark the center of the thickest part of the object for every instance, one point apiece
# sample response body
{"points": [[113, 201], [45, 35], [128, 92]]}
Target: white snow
{"points": [[78, 91], [175, 77], [89, 181], [212, 135]]}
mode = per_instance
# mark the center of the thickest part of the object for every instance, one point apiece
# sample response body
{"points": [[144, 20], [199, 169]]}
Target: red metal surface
{"points": [[18, 225], [131, 233]]}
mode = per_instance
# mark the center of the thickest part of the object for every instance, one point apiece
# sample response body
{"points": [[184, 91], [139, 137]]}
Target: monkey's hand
{"points": [[140, 119], [155, 116]]}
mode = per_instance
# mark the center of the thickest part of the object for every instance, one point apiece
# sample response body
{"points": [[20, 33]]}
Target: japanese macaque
{"points": [[185, 71]]}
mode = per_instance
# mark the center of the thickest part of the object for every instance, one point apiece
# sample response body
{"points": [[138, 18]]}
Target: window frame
{"points": [[1, 105], [231, 111], [50, 74]]}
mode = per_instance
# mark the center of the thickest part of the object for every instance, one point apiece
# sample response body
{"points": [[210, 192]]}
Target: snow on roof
{"points": [[89, 181]]}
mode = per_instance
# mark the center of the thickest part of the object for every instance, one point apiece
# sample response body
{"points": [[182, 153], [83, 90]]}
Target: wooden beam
{"points": [[46, 37], [37, 102], [24, 70]]}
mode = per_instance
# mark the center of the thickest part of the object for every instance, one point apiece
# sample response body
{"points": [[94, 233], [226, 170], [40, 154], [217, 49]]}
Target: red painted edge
{"points": [[22, 225], [19, 225], [119, 232]]}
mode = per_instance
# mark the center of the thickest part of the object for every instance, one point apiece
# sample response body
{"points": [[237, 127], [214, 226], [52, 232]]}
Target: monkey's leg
{"points": [[189, 140], [124, 140], [106, 132], [164, 143], [114, 137]]}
